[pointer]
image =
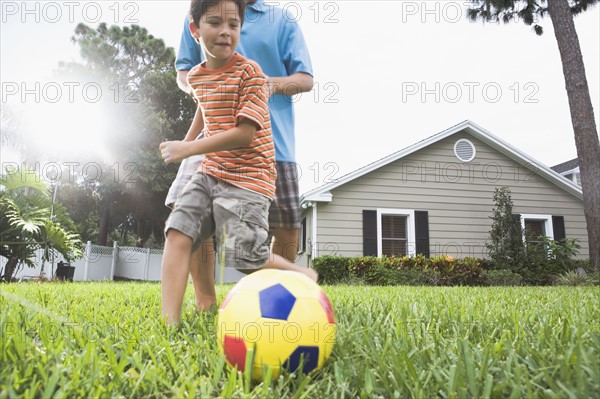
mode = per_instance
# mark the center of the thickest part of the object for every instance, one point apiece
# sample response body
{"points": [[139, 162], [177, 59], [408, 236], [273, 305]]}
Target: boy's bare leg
{"points": [[202, 269], [285, 243], [174, 274], [278, 262]]}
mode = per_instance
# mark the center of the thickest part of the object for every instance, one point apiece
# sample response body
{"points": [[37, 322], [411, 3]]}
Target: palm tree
{"points": [[580, 104], [26, 224]]}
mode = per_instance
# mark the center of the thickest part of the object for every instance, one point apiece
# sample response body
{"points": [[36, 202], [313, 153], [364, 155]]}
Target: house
{"points": [[436, 197], [570, 170]]}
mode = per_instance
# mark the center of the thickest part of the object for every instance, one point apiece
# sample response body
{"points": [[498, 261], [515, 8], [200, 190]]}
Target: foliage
{"points": [[109, 340], [29, 221], [406, 270], [505, 243], [332, 269], [502, 277], [545, 259], [379, 274], [451, 271], [573, 278], [527, 11]]}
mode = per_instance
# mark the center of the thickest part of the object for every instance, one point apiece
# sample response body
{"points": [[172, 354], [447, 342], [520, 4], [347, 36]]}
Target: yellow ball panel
{"points": [[316, 329], [242, 308]]}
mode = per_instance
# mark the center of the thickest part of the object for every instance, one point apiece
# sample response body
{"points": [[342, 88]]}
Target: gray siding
{"points": [[457, 195]]}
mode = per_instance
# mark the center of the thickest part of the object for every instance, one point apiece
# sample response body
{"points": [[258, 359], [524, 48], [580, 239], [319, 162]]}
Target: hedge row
{"points": [[415, 270]]}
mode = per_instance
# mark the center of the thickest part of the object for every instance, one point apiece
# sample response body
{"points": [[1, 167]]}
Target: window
{"points": [[302, 237], [533, 230], [395, 232], [535, 226], [394, 238]]}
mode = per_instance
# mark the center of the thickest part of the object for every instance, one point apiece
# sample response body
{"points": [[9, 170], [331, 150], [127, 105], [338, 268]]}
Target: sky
{"points": [[387, 75]]}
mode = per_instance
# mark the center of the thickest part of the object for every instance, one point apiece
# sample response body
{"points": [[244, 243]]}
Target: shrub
{"points": [[379, 274], [415, 277], [332, 269], [576, 278], [453, 271], [390, 270], [359, 267], [584, 264], [502, 277]]}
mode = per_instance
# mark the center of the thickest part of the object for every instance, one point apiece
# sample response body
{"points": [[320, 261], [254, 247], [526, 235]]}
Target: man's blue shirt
{"points": [[271, 37]]}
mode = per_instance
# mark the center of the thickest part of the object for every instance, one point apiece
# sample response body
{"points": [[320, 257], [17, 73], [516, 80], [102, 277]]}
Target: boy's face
{"points": [[219, 33]]}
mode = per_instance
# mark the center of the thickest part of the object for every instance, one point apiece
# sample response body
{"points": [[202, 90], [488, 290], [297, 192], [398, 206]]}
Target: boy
{"points": [[230, 194], [277, 44]]}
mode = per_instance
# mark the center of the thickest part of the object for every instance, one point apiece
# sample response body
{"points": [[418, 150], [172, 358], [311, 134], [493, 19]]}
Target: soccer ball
{"points": [[274, 319]]}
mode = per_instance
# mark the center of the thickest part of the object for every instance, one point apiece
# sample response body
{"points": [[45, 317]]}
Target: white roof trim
{"points": [[567, 172], [323, 193]]}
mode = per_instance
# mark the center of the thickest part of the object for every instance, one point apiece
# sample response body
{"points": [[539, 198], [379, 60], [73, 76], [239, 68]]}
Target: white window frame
{"points": [[574, 173], [411, 249], [548, 226]]}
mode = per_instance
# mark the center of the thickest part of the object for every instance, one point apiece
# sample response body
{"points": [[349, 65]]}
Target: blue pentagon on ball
{"points": [[276, 302], [310, 356]]}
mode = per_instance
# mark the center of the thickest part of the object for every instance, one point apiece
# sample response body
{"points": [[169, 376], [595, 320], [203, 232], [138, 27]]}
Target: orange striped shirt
{"points": [[228, 95]]}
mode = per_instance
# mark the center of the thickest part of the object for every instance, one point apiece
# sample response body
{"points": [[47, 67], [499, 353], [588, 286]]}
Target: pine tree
{"points": [[505, 245]]}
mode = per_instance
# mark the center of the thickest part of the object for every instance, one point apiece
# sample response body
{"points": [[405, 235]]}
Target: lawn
{"points": [[108, 340]]}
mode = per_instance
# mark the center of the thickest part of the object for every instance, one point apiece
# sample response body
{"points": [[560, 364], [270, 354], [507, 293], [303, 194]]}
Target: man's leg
{"points": [[284, 213], [174, 274], [202, 269], [285, 243]]}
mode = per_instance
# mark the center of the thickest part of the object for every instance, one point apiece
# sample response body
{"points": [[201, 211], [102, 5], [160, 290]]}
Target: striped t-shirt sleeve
{"points": [[253, 103]]}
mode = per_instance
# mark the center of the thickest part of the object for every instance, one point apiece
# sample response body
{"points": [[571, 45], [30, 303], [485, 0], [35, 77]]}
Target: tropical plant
{"points": [[29, 222], [575, 278]]}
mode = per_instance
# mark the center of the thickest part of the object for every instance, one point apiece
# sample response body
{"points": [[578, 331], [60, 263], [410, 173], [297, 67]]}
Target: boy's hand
{"points": [[172, 151]]}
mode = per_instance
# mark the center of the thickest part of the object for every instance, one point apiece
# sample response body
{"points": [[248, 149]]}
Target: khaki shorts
{"points": [[238, 219]]}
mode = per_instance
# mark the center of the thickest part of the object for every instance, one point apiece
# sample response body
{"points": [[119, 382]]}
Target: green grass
{"points": [[108, 340]]}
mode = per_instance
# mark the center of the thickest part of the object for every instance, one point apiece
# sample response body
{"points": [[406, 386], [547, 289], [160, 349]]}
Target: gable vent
{"points": [[464, 150]]}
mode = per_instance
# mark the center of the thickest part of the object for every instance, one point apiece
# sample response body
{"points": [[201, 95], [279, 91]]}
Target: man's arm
{"points": [[238, 137], [188, 56], [182, 82], [296, 83]]}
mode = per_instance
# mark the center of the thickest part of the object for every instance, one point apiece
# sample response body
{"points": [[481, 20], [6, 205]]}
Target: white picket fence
{"points": [[107, 263]]}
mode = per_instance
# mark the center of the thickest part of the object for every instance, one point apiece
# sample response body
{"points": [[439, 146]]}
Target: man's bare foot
{"points": [[206, 304], [310, 273]]}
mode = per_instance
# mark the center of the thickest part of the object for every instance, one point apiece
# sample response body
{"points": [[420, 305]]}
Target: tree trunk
{"points": [[582, 117], [9, 269], [104, 222]]}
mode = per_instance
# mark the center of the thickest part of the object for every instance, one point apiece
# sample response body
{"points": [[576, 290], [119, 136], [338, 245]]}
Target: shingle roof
{"points": [[565, 166]]}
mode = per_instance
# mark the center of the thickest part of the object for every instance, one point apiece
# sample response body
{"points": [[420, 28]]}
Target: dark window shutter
{"points": [[558, 224], [369, 233], [302, 241], [422, 232]]}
